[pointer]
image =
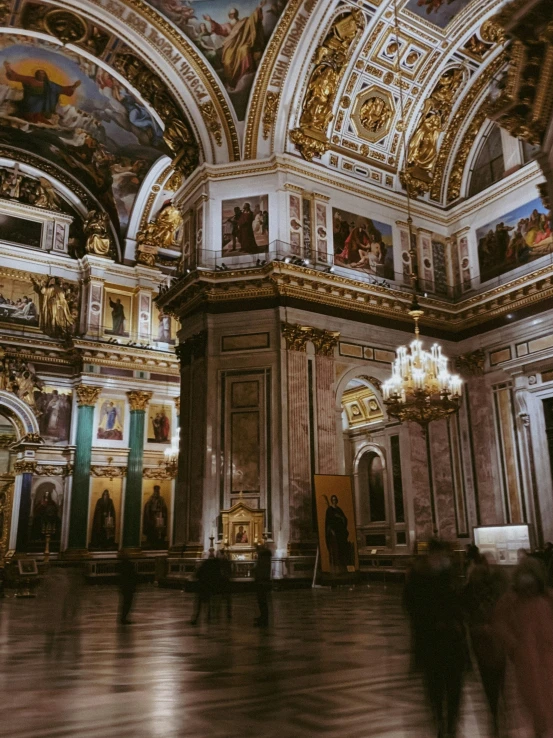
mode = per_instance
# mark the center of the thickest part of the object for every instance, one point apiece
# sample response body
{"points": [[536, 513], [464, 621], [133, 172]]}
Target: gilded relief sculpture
{"points": [[56, 305], [159, 233], [423, 146], [375, 114], [96, 229], [329, 64]]}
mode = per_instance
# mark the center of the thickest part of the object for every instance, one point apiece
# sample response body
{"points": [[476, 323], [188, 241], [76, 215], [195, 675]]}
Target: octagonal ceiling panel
{"points": [[231, 34]]}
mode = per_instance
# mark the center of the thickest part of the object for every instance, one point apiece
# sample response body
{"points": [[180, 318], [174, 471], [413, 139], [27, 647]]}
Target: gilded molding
{"points": [[270, 110], [54, 470], [211, 120], [297, 337], [32, 438], [24, 467], [87, 396], [6, 500], [159, 472], [113, 472], [139, 399]]}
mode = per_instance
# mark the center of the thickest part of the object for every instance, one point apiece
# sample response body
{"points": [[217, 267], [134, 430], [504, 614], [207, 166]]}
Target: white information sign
{"points": [[502, 542]]}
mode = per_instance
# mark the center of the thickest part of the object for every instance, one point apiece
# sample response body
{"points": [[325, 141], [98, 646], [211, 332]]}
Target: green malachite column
{"points": [[138, 402], [78, 514]]}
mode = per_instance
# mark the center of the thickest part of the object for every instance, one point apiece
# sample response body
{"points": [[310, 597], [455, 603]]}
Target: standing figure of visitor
{"points": [[340, 548], [262, 576], [485, 586], [127, 587], [208, 576], [226, 586], [432, 600], [524, 617]]}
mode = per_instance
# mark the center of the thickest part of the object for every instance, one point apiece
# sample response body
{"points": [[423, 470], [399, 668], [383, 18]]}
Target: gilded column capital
{"points": [[139, 399], [471, 363], [86, 395], [24, 467], [297, 336]]}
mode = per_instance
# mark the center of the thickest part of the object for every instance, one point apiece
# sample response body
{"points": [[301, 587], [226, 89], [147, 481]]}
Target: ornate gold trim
{"points": [[113, 472], [158, 472], [24, 467], [53, 470], [139, 399], [87, 396]]}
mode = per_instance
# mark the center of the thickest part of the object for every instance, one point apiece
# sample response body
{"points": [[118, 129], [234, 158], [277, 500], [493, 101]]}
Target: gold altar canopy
{"points": [[242, 529]]}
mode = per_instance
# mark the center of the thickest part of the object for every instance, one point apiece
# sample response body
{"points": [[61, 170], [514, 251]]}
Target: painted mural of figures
{"points": [[162, 427], [40, 95], [154, 520], [55, 415], [110, 426], [243, 45], [103, 523], [45, 512], [54, 313], [340, 549], [118, 317]]}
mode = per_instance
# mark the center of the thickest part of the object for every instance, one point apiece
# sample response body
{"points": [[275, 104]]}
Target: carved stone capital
{"points": [[24, 467], [471, 363], [139, 399], [297, 336], [87, 396], [324, 341]]}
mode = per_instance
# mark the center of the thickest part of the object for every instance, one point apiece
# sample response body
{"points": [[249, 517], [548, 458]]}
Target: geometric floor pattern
{"points": [[334, 663]]}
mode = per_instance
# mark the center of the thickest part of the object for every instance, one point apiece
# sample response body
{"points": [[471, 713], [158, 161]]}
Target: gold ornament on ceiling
{"points": [[373, 114], [330, 61], [38, 192], [422, 150], [159, 233], [211, 119], [67, 27], [177, 133], [96, 230], [269, 113]]}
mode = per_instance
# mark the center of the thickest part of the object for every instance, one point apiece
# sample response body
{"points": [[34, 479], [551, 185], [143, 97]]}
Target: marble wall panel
{"points": [[326, 416], [443, 480], [420, 485], [301, 506]]}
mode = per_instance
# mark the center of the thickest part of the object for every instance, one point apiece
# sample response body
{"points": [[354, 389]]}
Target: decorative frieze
{"points": [[110, 471], [159, 472], [53, 470], [24, 466]]}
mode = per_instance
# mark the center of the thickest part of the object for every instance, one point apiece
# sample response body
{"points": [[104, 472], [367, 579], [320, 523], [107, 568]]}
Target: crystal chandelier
{"points": [[421, 388], [172, 453]]}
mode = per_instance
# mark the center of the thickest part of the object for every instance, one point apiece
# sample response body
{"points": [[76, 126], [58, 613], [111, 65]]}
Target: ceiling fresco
{"points": [[67, 109], [231, 34], [439, 12]]}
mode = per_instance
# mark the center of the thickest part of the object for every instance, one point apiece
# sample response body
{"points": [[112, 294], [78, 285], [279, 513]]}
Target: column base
{"points": [[74, 554], [131, 551]]}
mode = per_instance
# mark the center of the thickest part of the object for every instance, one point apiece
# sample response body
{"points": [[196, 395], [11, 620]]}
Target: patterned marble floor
{"points": [[334, 663]]}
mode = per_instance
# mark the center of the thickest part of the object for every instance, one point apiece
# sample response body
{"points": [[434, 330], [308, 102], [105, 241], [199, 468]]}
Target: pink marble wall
{"points": [[299, 472], [326, 416], [420, 486], [484, 441], [443, 480]]}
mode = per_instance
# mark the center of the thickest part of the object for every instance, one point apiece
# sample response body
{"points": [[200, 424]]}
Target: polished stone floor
{"points": [[333, 663]]}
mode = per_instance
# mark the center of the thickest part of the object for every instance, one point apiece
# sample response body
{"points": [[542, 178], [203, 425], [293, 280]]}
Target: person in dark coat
{"points": [[209, 583], [127, 587], [226, 576], [262, 576], [433, 602]]}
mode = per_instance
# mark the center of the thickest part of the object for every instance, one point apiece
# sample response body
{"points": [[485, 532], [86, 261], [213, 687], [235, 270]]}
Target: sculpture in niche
{"points": [[330, 61], [56, 299], [375, 114], [96, 229], [36, 192], [422, 150], [159, 233]]}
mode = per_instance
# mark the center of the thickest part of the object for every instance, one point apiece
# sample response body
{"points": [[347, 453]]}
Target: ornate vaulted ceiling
{"points": [[118, 97]]}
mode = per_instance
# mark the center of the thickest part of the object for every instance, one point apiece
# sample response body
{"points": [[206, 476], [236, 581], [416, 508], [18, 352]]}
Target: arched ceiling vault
{"points": [[340, 103]]}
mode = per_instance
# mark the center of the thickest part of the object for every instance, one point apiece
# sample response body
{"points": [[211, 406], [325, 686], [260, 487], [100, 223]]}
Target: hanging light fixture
{"points": [[421, 389], [172, 454]]}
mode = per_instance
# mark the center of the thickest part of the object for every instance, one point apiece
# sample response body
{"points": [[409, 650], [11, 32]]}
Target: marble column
{"points": [[299, 467], [138, 402], [443, 482], [25, 469], [192, 408], [327, 441], [78, 513], [423, 502]]}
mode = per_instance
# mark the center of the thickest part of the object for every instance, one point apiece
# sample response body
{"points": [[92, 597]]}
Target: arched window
{"points": [[372, 502], [489, 166]]}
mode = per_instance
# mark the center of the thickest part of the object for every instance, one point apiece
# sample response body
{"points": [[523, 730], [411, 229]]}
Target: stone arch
{"points": [[366, 375], [20, 413]]}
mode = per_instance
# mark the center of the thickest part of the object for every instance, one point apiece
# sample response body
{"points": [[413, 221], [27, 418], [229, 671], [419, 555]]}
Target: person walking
{"points": [[209, 583], [524, 617], [262, 576], [432, 600], [225, 581], [127, 588], [485, 586]]}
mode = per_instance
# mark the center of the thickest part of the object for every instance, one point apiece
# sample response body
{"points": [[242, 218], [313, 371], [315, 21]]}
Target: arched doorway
{"points": [[372, 455]]}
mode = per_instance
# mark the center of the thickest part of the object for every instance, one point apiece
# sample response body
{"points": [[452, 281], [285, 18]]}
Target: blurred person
{"points": [[209, 583], [432, 600], [59, 597], [225, 581], [262, 577], [485, 586], [127, 587], [472, 557], [524, 617]]}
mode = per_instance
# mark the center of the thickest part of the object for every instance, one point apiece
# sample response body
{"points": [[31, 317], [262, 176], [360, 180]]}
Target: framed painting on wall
{"points": [[336, 524], [111, 415], [363, 244], [156, 513], [117, 313], [245, 224], [104, 520], [160, 423]]}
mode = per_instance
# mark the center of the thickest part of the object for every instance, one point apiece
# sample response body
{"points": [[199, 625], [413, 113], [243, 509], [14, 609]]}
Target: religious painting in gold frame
{"points": [[336, 524]]}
